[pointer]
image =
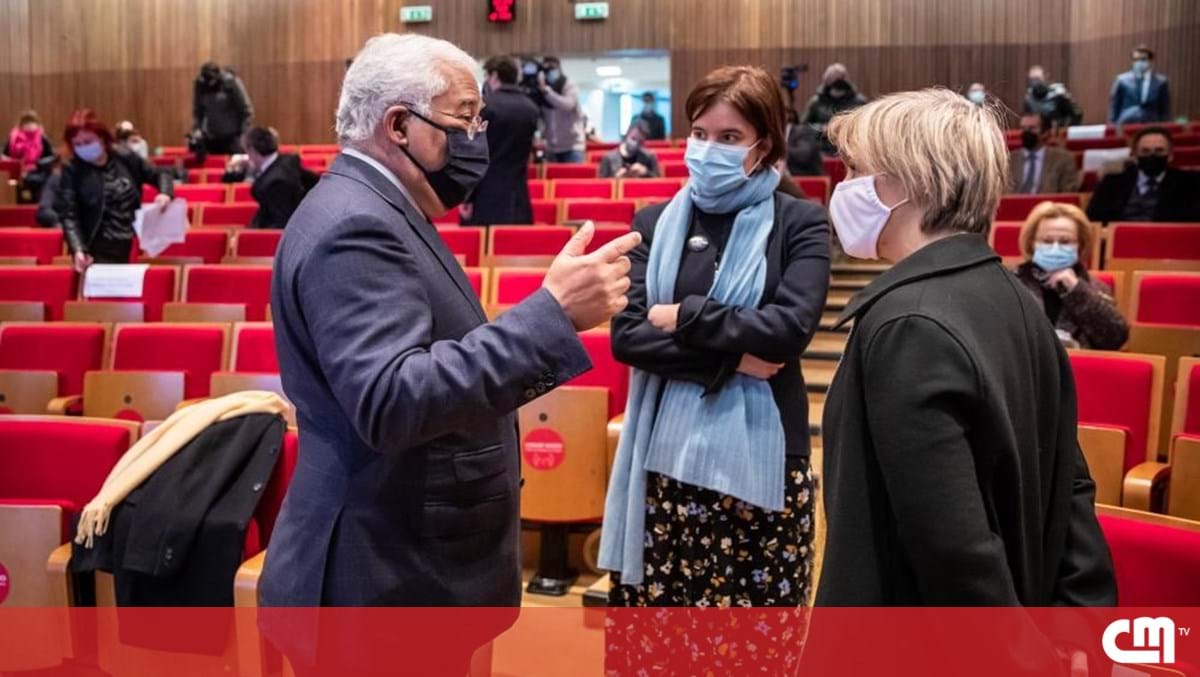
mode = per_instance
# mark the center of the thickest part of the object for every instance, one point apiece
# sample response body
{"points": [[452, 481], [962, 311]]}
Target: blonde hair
{"points": [[1084, 231], [948, 153]]}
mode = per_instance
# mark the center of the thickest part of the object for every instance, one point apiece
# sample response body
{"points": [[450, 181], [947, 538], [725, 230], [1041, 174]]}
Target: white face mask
{"points": [[859, 216]]}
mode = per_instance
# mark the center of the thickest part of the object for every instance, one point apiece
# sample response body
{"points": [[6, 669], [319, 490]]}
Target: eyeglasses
{"points": [[475, 124]]}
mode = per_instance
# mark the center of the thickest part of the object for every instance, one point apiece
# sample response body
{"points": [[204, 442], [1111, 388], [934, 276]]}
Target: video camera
{"points": [[531, 67]]}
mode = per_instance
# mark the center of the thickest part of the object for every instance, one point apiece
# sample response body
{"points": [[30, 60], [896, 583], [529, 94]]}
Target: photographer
{"points": [[630, 160], [1051, 99], [503, 194], [221, 111], [562, 116]]}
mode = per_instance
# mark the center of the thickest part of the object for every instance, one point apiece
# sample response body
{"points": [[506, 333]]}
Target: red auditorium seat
{"points": [[246, 285], [545, 211], [674, 170], [320, 149], [1005, 239], [607, 211], [606, 371], [254, 348], [1017, 207], [160, 286], [537, 189], [513, 285], [202, 194], [528, 240], [271, 502], [466, 242], [602, 145], [604, 235], [659, 143], [452, 217], [232, 214], [835, 169], [532, 171], [12, 168], [42, 243], [1184, 442], [1154, 246], [583, 188], [314, 162], [210, 245], [51, 286], [67, 349], [570, 170], [1155, 557], [196, 350], [257, 243], [670, 154], [816, 188], [18, 216], [478, 277], [638, 189], [241, 193], [1128, 130], [1167, 298], [1186, 157]]}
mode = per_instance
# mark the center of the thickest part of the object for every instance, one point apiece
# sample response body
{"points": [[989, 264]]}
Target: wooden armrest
{"points": [[59, 405], [245, 582], [57, 569], [188, 403], [1142, 483]]}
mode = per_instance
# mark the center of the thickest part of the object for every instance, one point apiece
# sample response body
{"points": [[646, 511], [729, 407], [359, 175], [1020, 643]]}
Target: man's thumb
{"points": [[578, 243]]}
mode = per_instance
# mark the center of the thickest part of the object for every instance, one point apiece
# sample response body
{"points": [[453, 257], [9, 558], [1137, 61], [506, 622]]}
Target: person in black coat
{"points": [[512, 117], [100, 192], [656, 125], [953, 474], [1149, 189], [221, 109], [280, 182]]}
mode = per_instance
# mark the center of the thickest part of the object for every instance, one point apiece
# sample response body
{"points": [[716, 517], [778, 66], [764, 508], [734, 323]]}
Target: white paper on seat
{"points": [[1086, 132], [114, 280], [157, 230], [1096, 158]]}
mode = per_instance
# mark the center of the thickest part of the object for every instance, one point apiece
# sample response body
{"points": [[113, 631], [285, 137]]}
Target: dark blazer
{"points": [[1178, 196], [80, 194], [224, 111], [1088, 312], [1059, 174], [712, 337], [406, 487], [279, 190], [503, 194], [179, 538], [1125, 100], [952, 471]]}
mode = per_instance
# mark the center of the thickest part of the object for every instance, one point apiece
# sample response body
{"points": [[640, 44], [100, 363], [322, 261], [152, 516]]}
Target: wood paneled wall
{"points": [[136, 59]]}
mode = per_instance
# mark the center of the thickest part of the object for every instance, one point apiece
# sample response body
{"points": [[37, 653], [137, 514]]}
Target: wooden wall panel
{"points": [[14, 61]]}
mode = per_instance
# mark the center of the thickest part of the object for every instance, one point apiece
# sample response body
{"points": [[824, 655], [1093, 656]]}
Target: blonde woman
{"points": [[952, 474], [1057, 241]]}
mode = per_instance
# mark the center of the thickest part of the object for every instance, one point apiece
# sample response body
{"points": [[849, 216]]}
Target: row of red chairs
{"points": [[1126, 245]]}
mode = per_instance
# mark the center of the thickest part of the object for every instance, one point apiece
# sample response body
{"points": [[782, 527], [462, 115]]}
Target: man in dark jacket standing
{"points": [[503, 194], [221, 109], [280, 182], [656, 125], [836, 95]]}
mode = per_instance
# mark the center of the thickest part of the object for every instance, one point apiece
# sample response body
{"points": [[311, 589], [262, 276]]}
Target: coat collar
{"points": [[941, 257]]}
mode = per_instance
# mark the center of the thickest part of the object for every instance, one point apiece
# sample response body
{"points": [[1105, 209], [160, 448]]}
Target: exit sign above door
{"points": [[591, 11], [416, 14]]}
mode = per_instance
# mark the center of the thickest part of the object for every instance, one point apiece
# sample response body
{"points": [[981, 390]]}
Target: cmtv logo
{"points": [[1153, 640]]}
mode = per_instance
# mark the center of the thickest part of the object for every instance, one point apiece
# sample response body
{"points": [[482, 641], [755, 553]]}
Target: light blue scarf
{"points": [[730, 441]]}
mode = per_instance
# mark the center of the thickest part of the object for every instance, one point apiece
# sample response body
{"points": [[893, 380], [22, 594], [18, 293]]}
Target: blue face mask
{"points": [[1140, 66], [89, 152], [715, 168], [1055, 257]]}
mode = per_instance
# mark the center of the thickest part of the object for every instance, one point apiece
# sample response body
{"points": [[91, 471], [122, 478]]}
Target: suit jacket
{"points": [[711, 337], [279, 190], [503, 194], [1178, 196], [1125, 100], [1059, 174], [952, 471], [406, 487]]}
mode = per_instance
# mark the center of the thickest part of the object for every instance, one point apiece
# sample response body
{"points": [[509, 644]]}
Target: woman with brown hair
{"points": [[1057, 241], [711, 500]]}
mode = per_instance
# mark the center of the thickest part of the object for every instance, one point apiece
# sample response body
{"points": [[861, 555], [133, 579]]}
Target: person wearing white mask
{"points": [[710, 502], [952, 473], [1057, 241]]}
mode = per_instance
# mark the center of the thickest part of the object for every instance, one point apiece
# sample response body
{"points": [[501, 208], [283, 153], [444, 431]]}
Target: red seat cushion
{"points": [[1017, 207], [571, 171], [1156, 564], [545, 211], [209, 245], [258, 242], [606, 371], [202, 194], [195, 351], [614, 211], [43, 243], [18, 216], [467, 242], [1006, 239], [529, 240], [62, 461], [51, 285], [158, 288], [1156, 241], [582, 188], [256, 350], [249, 285], [239, 214], [1116, 392], [1169, 299], [69, 350], [634, 189], [513, 286]]}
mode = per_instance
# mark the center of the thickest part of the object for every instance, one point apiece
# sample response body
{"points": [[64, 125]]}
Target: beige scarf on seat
{"points": [[150, 452]]}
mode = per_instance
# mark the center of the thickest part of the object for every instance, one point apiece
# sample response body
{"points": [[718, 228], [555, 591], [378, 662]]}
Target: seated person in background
{"points": [[28, 144], [1149, 189], [629, 160], [1057, 240], [279, 180], [47, 214], [803, 147], [977, 93], [1038, 168], [129, 138]]}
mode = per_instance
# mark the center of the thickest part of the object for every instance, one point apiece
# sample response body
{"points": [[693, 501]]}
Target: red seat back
{"points": [[195, 350], [529, 240], [815, 187], [254, 349], [1186, 157], [210, 245], [248, 285], [545, 211], [43, 243], [674, 170], [216, 161], [537, 189], [158, 287], [1006, 239], [68, 349], [583, 188], [201, 194], [18, 216], [513, 285], [232, 214], [467, 242], [1167, 298], [835, 169], [606, 371], [320, 149], [614, 211], [1191, 417], [636, 189], [670, 155], [50, 285], [1017, 207], [1156, 564], [452, 217], [571, 170], [257, 242], [1155, 241], [271, 502], [61, 460], [604, 235], [241, 192], [1117, 393]]}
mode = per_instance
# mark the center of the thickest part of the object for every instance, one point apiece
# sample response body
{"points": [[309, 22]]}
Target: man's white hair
{"points": [[392, 69]]}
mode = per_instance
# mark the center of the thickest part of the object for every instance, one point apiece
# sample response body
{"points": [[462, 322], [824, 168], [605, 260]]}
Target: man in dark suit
{"points": [[656, 126], [407, 488], [503, 194], [1140, 94], [1149, 189], [280, 182], [1036, 167]]}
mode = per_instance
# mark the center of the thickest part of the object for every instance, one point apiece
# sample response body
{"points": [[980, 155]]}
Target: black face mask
{"points": [[1152, 165], [466, 163], [1029, 139], [1039, 89]]}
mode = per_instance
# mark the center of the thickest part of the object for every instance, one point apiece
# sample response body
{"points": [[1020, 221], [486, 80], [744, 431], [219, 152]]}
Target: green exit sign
{"points": [[416, 14], [591, 11]]}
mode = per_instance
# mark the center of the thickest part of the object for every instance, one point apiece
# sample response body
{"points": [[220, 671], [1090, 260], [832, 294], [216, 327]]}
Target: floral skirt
{"points": [[704, 548]]}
